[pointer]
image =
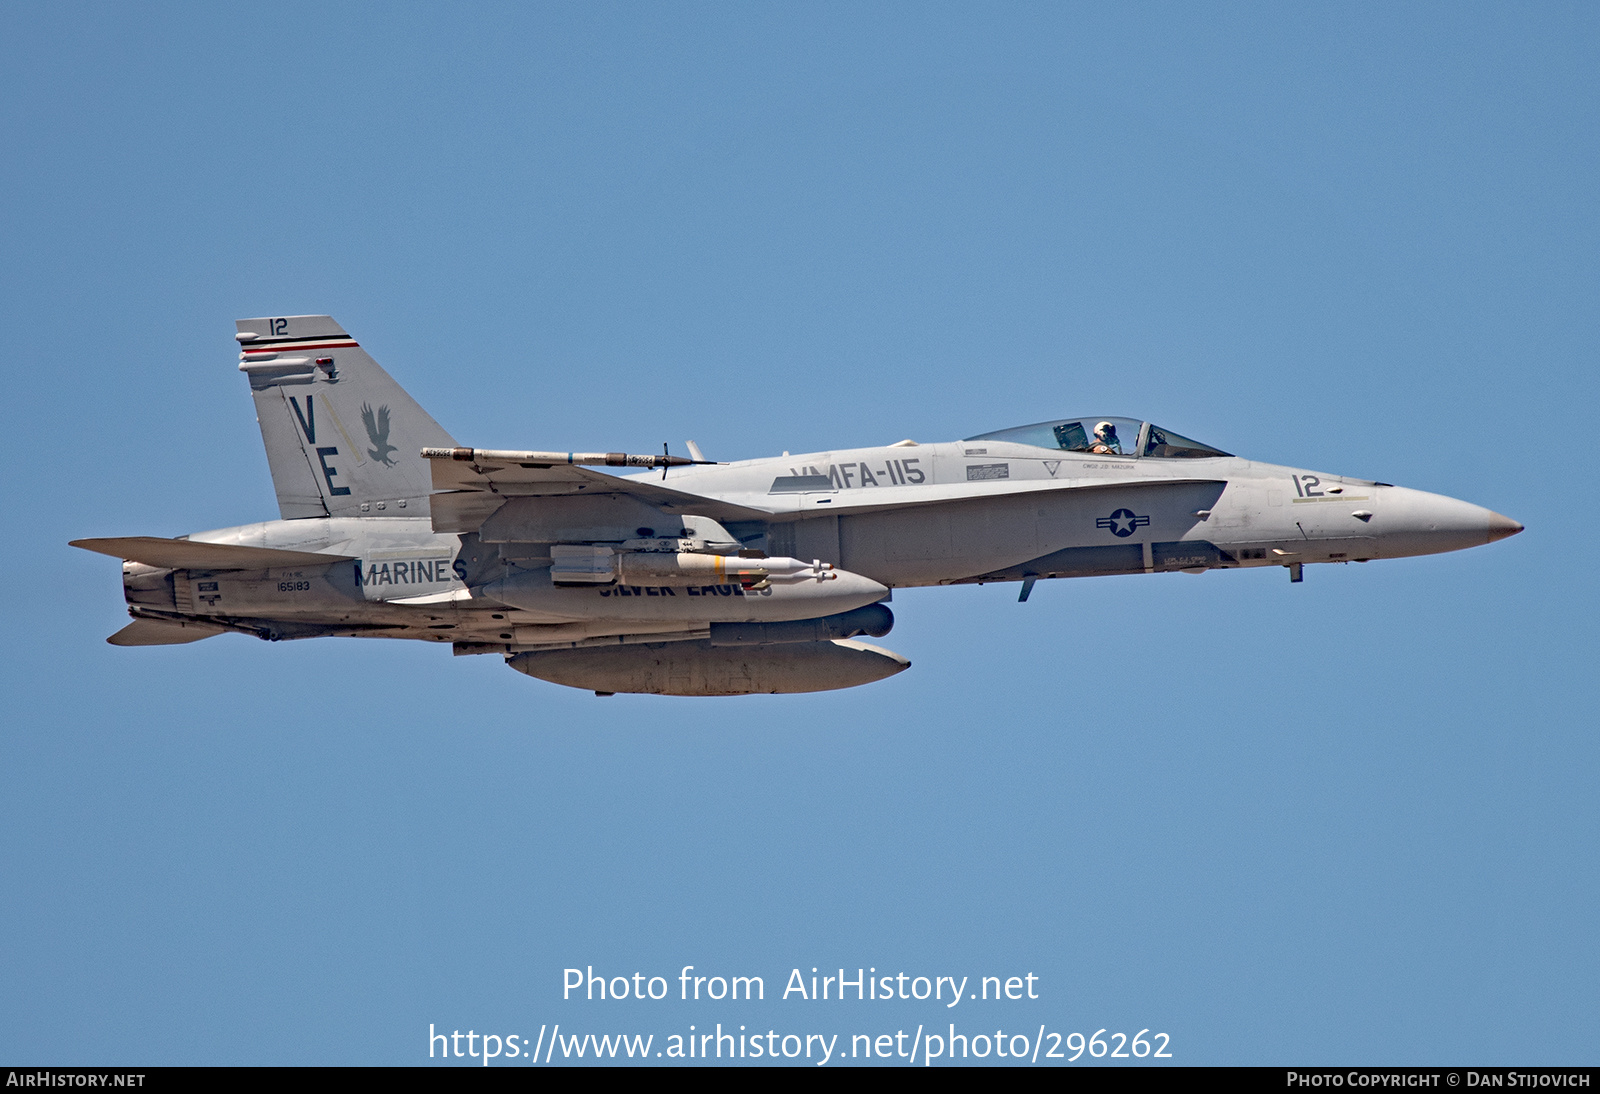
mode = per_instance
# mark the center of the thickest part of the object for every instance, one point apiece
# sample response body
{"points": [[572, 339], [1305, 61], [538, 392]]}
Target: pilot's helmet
{"points": [[1105, 429]]}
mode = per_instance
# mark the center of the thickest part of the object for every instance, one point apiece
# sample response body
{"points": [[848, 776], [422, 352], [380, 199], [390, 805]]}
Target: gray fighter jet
{"points": [[708, 578]]}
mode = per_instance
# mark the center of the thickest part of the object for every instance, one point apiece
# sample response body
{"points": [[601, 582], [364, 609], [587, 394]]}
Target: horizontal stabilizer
{"points": [[188, 554], [163, 632]]}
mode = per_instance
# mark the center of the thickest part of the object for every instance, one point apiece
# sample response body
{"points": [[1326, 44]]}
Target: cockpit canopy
{"points": [[1126, 437]]}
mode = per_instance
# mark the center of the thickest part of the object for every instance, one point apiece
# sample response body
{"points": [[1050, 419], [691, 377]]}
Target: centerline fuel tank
{"points": [[701, 668]]}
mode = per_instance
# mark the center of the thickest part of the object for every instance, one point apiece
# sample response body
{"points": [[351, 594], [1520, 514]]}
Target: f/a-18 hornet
{"points": [[724, 579]]}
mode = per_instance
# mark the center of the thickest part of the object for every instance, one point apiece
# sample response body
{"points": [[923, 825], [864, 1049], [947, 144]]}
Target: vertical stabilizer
{"points": [[343, 439]]}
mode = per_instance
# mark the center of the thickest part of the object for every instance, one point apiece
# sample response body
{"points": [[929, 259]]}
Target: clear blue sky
{"points": [[1352, 820]]}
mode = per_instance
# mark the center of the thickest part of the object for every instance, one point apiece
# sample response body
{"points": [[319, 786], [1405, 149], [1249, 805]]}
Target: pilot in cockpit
{"points": [[1105, 440]]}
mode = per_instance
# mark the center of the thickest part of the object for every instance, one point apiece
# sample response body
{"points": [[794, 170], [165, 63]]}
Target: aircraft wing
{"points": [[188, 554], [467, 492]]}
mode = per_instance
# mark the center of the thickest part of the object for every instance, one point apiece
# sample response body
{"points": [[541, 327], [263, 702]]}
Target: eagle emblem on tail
{"points": [[378, 433]]}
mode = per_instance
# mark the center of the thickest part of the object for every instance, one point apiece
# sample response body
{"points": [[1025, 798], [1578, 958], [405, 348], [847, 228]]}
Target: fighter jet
{"points": [[683, 576]]}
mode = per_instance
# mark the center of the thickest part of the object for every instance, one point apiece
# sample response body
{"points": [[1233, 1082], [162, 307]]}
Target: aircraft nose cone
{"points": [[1418, 523], [1500, 527]]}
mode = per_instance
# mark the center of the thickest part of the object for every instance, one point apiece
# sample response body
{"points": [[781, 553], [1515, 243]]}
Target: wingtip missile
{"points": [[550, 459]]}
